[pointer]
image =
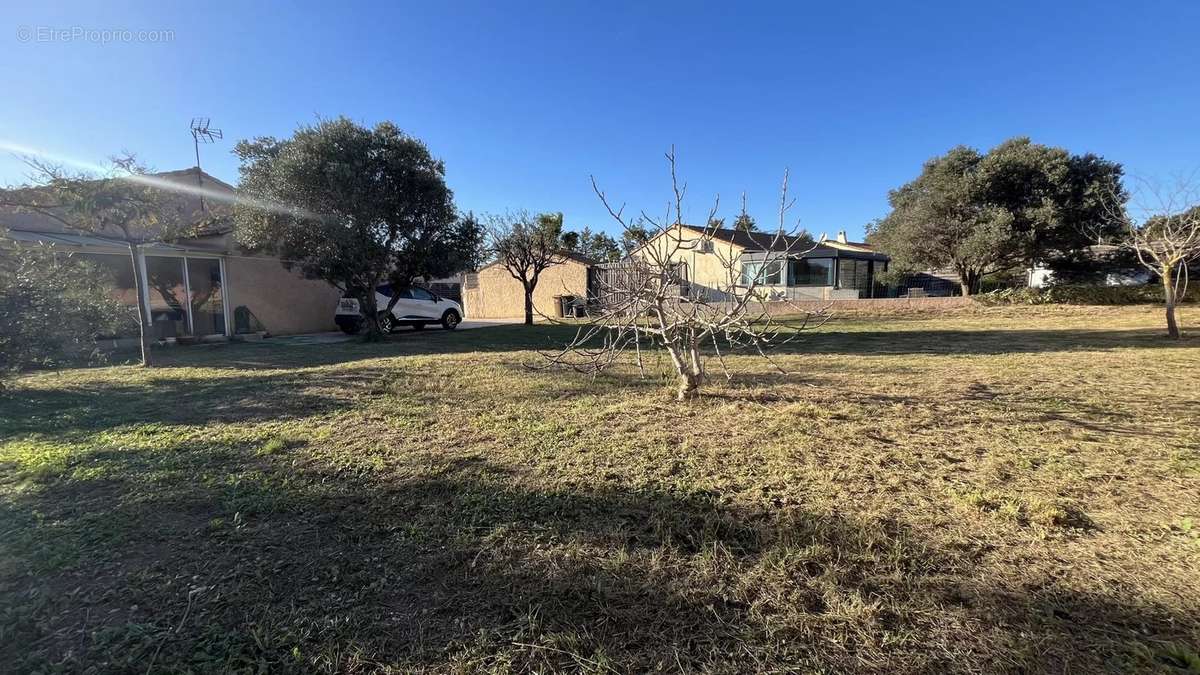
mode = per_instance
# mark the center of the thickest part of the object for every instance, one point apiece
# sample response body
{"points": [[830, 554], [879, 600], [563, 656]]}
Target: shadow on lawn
{"points": [[282, 565], [267, 355]]}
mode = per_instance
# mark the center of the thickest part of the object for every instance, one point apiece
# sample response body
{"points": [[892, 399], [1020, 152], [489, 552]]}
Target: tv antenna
{"points": [[202, 132]]}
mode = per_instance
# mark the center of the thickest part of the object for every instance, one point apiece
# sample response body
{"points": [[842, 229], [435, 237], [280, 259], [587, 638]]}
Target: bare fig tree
{"points": [[1165, 236], [647, 301]]}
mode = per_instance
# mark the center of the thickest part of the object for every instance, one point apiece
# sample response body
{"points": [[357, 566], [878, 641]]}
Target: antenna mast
{"points": [[202, 133]]}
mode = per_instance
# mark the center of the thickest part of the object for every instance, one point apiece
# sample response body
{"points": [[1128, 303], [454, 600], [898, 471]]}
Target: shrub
{"points": [[1079, 294], [52, 307]]}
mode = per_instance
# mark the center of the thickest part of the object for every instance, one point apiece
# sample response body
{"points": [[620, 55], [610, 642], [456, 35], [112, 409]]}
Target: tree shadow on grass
{"points": [[268, 355], [282, 563]]}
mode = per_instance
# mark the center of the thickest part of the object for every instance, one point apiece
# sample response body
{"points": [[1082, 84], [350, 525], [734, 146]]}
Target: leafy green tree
{"points": [[745, 223], [595, 245], [633, 236], [526, 245], [126, 205], [984, 214], [52, 308], [362, 206]]}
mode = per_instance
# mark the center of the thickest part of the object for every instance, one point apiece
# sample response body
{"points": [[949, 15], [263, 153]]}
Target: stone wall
{"points": [[873, 305]]}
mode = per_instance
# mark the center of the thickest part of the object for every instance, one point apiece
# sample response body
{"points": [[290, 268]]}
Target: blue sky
{"points": [[524, 101]]}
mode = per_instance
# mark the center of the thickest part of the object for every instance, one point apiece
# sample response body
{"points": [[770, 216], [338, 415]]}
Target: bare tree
{"points": [[647, 302], [1165, 236], [526, 246], [125, 206]]}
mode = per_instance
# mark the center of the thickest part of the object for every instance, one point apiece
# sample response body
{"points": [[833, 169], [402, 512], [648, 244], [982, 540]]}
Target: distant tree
{"points": [[716, 223], [52, 307], [570, 241], [744, 223], [125, 205], [526, 246], [1167, 240], [596, 245], [361, 206], [984, 214], [634, 235]]}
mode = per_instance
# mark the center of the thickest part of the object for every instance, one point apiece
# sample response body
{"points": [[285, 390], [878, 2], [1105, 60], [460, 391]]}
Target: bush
{"points": [[52, 307], [1079, 294]]}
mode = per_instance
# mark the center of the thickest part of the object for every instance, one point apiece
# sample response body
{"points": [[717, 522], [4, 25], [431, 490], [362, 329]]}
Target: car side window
{"points": [[421, 294], [406, 294]]}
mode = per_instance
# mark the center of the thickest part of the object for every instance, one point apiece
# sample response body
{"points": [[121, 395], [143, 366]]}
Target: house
{"points": [[493, 293], [784, 266], [203, 286]]}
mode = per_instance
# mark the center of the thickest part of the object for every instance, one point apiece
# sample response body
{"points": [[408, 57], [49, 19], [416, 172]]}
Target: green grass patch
{"points": [[1001, 489]]}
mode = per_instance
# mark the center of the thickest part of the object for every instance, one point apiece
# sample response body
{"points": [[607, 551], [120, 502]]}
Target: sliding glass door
{"points": [[187, 295], [207, 296]]}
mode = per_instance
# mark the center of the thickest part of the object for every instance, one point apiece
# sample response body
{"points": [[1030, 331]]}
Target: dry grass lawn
{"points": [[1006, 489]]}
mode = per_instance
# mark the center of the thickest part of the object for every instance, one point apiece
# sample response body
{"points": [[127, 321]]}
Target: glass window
{"points": [[207, 296], [769, 273], [855, 274], [168, 312], [421, 294], [749, 272], [810, 272]]}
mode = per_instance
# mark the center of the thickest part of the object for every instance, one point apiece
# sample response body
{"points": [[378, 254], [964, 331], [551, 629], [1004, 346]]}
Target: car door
{"points": [[405, 308], [424, 303]]}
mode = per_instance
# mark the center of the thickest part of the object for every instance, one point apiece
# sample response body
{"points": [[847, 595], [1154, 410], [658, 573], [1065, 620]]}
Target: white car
{"points": [[415, 307]]}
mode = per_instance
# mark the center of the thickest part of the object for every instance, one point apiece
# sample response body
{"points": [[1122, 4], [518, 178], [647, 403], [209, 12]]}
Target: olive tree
{"points": [[365, 206], [52, 307], [984, 213]]}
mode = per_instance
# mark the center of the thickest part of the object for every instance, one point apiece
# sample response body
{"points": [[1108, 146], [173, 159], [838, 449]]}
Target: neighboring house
{"points": [[493, 293], [1103, 255], [198, 286], [785, 268]]}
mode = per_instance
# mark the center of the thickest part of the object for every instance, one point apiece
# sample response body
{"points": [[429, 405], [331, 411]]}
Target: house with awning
{"points": [[203, 286]]}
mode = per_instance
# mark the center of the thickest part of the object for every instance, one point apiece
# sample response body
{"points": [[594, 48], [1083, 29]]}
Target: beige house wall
{"points": [[704, 269], [284, 301], [496, 295]]}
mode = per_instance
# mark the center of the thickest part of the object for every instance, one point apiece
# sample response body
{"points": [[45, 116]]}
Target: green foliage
{"points": [[745, 223], [52, 307], [984, 213], [595, 245], [353, 206], [634, 236], [1081, 294]]}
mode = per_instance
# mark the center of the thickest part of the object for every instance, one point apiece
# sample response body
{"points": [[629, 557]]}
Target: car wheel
{"points": [[387, 322], [451, 319]]}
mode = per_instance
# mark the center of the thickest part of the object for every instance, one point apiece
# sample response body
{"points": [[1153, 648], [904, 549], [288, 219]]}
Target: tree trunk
{"points": [[371, 316], [528, 304], [145, 320], [968, 281], [689, 386], [689, 376], [1169, 297]]}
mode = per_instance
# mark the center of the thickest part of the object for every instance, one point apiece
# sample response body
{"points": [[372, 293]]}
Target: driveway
{"points": [[334, 337]]}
